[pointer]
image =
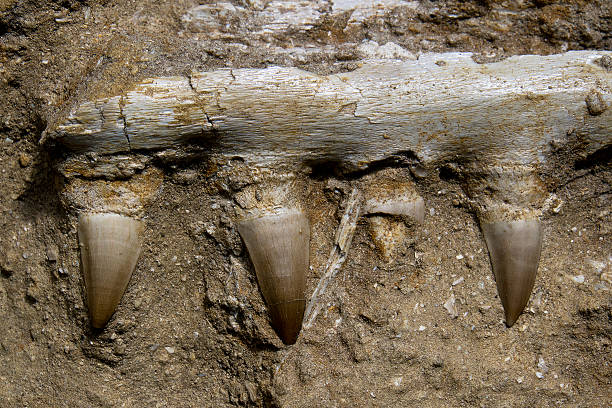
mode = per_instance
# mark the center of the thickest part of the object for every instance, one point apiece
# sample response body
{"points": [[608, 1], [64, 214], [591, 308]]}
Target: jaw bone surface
{"points": [[514, 248], [110, 246], [278, 244]]}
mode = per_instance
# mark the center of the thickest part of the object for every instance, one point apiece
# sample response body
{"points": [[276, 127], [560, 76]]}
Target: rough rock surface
{"points": [[192, 329]]}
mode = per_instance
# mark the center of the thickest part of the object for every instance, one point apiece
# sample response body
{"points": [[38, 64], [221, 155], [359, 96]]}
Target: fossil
{"points": [[278, 244], [503, 112], [496, 122], [390, 202], [515, 252], [110, 246]]}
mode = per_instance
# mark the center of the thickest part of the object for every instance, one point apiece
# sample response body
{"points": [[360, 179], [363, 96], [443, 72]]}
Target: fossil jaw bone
{"points": [[278, 244], [110, 246], [514, 248]]}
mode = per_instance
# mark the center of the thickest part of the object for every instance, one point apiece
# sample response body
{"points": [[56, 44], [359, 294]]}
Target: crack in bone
{"points": [[124, 120]]}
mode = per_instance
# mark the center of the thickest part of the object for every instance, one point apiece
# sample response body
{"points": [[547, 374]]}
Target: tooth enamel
{"points": [[110, 246], [514, 248], [278, 244]]}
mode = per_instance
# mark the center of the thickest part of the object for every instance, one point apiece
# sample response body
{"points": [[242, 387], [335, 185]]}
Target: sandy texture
{"points": [[423, 327]]}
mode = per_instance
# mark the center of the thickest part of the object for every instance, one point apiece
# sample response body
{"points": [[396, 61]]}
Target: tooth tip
{"points": [[287, 320], [514, 248], [110, 246], [511, 318], [98, 323]]}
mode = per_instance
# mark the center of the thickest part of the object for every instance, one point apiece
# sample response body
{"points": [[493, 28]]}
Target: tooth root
{"points": [[278, 244], [514, 248], [110, 246]]}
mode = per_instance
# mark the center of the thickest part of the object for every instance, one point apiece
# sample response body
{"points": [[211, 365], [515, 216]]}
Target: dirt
{"points": [[192, 328]]}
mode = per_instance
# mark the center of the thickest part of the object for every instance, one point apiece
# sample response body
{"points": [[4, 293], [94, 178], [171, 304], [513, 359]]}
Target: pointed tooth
{"points": [[278, 245], [110, 246], [514, 248]]}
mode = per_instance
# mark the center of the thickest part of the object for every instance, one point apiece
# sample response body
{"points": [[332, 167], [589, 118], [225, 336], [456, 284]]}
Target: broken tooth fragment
{"points": [[110, 246], [514, 248], [391, 204], [278, 244]]}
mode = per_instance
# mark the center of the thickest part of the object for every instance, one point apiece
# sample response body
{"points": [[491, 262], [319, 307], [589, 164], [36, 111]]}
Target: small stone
{"points": [[422, 328], [484, 308], [450, 306], [397, 381], [372, 50], [542, 365], [153, 347], [600, 286], [536, 300], [418, 171], [170, 350], [597, 265], [25, 160], [458, 281], [251, 390], [25, 255], [605, 62], [51, 254], [33, 293], [120, 349], [185, 176], [578, 279], [161, 356], [539, 374], [520, 380], [595, 103], [459, 257]]}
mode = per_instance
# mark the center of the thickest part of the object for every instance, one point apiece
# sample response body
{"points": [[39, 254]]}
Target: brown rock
{"points": [[25, 159]]}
